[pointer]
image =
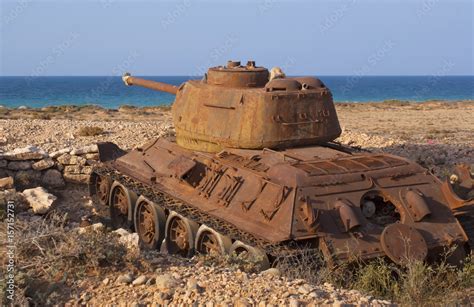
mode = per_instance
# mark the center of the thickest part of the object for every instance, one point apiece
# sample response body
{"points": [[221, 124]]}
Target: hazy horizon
{"points": [[184, 37]]}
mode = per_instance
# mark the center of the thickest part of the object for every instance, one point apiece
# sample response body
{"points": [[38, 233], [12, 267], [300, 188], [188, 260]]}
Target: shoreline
{"points": [[166, 107]]}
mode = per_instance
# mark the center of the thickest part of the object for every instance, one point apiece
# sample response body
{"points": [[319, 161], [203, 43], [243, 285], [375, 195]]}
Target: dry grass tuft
{"points": [[415, 282], [51, 258], [90, 131]]}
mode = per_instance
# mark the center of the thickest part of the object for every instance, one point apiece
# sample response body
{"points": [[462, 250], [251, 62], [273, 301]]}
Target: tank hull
{"points": [[345, 204]]}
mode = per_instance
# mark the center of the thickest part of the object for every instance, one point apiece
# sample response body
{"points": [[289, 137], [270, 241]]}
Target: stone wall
{"points": [[31, 166]]}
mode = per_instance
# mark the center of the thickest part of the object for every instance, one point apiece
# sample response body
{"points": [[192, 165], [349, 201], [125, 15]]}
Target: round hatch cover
{"points": [[403, 243]]}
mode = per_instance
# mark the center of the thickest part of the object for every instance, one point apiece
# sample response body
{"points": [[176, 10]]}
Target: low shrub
{"points": [[90, 131]]}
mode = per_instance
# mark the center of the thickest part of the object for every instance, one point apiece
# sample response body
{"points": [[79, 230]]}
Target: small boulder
{"points": [[166, 281], [39, 199], [25, 153], [72, 169], [125, 278], [6, 183], [130, 240], [76, 178], [60, 152], [68, 159], [19, 165], [92, 156], [53, 178], [43, 164], [85, 150], [27, 178], [271, 272], [140, 280]]}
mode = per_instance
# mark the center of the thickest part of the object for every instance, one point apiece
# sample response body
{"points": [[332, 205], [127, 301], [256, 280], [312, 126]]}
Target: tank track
{"points": [[288, 250]]}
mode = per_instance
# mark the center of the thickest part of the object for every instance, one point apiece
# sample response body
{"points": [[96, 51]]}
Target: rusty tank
{"points": [[254, 170]]}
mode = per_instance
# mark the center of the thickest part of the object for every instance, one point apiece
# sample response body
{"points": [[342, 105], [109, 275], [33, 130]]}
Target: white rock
{"points": [[26, 153], [128, 239], [140, 280], [60, 152], [85, 150], [39, 199]]}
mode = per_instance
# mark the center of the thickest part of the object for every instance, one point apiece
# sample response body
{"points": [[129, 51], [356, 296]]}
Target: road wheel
{"points": [[150, 222], [209, 241], [102, 188], [253, 254], [180, 235], [121, 206]]}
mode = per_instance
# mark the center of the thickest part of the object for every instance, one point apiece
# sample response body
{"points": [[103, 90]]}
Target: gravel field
{"points": [[435, 134]]}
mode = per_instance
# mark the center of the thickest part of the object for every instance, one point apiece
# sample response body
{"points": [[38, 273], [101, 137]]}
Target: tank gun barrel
{"points": [[154, 85]]}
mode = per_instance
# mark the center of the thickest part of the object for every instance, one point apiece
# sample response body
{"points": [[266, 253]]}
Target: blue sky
{"points": [[183, 37]]}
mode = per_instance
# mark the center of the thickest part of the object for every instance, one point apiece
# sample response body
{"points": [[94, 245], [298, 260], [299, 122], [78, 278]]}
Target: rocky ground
{"points": [[435, 134]]}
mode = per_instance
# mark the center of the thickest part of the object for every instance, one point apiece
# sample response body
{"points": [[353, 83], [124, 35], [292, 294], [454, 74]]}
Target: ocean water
{"points": [[110, 92]]}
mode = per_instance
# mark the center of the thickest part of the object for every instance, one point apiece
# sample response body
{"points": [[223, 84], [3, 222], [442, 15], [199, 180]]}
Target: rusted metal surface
{"points": [[154, 85], [262, 189]]}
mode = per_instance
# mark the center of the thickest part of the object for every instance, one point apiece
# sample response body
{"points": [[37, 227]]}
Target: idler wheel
{"points": [[180, 235], [256, 255], [121, 202], [102, 188], [150, 222], [403, 243], [209, 241]]}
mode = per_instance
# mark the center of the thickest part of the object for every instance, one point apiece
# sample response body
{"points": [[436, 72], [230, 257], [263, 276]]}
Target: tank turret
{"points": [[242, 106]]}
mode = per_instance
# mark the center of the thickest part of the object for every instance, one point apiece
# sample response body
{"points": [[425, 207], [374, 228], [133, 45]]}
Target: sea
{"points": [[110, 92]]}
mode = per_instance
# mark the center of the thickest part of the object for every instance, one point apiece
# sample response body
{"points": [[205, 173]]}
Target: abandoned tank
{"points": [[254, 169]]}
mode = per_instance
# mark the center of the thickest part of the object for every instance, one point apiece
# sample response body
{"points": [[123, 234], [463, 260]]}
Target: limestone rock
{"points": [[130, 240], [25, 153], [92, 156], [53, 178], [19, 165], [43, 164], [60, 152], [6, 183], [85, 150], [39, 199], [125, 278], [72, 169], [166, 281], [140, 280], [271, 272], [68, 159], [76, 178]]}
